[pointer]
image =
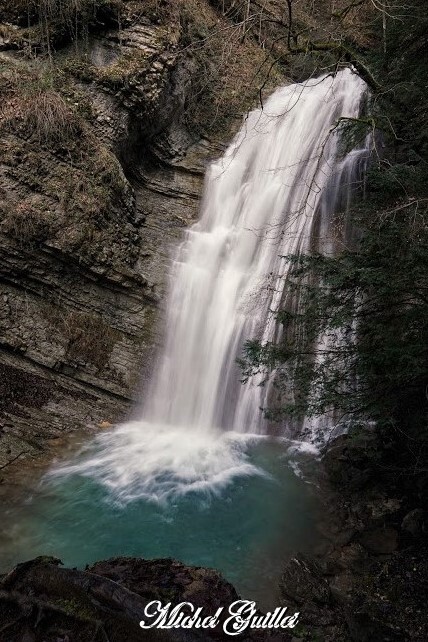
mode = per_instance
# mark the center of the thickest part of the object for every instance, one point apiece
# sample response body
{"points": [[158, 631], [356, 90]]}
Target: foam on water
{"points": [[245, 529], [141, 460], [196, 477], [274, 193]]}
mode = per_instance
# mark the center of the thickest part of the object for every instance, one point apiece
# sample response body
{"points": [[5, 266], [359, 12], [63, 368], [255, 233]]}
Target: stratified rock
{"points": [[90, 212], [86, 231]]}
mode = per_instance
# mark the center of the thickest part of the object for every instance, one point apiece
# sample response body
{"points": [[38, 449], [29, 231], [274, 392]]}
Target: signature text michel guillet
{"points": [[240, 615]]}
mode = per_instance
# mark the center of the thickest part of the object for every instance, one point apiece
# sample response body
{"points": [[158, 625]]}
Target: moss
{"points": [[130, 64], [74, 607], [80, 67]]}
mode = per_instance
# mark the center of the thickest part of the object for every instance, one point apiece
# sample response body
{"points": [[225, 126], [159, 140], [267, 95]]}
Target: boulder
{"points": [[302, 582], [350, 459], [414, 522], [365, 627], [380, 541], [42, 602], [168, 580]]}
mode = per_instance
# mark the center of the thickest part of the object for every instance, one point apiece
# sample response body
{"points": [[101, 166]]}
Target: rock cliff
{"points": [[111, 110], [106, 125]]}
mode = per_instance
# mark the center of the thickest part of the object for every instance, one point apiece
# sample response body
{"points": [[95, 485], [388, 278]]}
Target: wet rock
{"points": [[41, 599], [168, 579], [302, 582], [347, 558], [380, 541], [350, 459], [382, 507], [364, 627], [341, 588], [414, 522]]}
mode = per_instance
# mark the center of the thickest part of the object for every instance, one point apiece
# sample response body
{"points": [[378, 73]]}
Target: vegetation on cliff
{"points": [[74, 188], [69, 123], [202, 64], [371, 299]]}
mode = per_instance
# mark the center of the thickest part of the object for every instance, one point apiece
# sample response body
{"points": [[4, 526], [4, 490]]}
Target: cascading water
{"points": [[274, 193], [196, 476], [262, 201]]}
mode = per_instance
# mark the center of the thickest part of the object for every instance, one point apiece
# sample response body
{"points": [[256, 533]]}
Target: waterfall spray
{"points": [[277, 187]]}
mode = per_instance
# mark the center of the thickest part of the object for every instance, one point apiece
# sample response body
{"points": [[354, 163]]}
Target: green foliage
{"points": [[371, 305], [353, 131], [371, 301]]}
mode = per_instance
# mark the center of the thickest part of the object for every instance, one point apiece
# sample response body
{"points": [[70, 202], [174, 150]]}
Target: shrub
{"points": [[47, 116], [88, 338], [32, 106], [25, 221]]}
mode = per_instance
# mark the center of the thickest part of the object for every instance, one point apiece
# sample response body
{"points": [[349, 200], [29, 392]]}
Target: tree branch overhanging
{"points": [[343, 53]]}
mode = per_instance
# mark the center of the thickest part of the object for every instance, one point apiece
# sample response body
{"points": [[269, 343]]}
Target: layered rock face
{"points": [[99, 174], [111, 110]]}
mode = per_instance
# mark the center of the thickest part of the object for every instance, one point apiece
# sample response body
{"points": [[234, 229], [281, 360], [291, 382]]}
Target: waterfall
{"points": [[274, 193], [263, 201]]}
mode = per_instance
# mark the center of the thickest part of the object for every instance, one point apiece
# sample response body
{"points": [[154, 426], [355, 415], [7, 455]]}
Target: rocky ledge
{"points": [[102, 162], [42, 602], [110, 112], [369, 580]]}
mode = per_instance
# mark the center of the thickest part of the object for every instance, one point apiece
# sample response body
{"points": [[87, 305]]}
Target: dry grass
{"points": [[233, 70], [26, 221], [32, 107], [43, 114], [7, 31], [71, 9], [88, 338], [57, 8], [77, 193], [49, 118]]}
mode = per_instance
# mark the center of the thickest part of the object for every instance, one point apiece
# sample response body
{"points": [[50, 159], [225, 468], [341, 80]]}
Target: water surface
{"points": [[244, 528]]}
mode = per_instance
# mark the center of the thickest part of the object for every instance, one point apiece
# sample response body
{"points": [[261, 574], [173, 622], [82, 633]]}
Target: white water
{"points": [[272, 194]]}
